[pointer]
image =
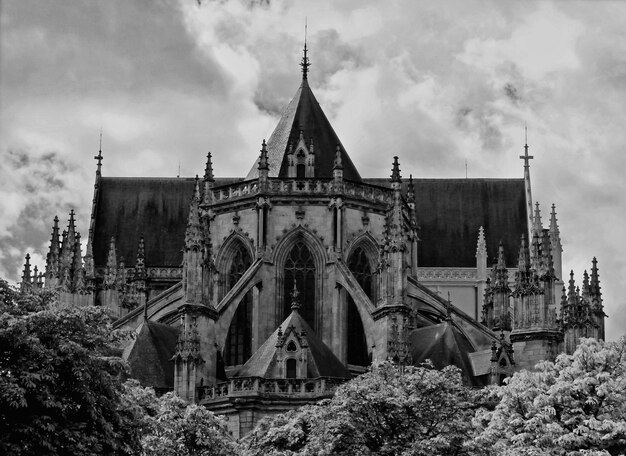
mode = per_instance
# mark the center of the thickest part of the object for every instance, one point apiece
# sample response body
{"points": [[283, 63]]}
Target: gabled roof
{"points": [[321, 361], [149, 354], [305, 114], [450, 212], [155, 207]]}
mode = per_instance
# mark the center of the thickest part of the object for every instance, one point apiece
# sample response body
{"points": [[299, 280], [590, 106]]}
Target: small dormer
{"points": [[301, 159], [292, 353]]}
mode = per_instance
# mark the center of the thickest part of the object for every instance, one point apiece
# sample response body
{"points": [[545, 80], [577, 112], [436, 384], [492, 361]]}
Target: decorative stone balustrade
{"points": [[277, 186], [250, 386]]}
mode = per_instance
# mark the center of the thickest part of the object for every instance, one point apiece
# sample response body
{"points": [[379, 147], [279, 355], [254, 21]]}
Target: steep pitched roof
{"points": [[444, 345], [149, 354], [321, 361], [305, 114], [450, 212], [154, 207]]}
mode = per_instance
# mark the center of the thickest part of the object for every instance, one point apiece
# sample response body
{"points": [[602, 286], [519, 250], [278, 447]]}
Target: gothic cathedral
{"points": [[258, 294]]}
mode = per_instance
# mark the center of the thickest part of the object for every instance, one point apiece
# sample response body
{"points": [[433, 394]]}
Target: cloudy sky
{"points": [[436, 83]]}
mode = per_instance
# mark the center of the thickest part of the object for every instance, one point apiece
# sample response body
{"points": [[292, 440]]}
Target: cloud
{"points": [[436, 83]]}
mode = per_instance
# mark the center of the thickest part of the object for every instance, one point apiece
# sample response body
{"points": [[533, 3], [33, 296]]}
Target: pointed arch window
{"points": [[359, 265], [238, 345], [300, 267]]}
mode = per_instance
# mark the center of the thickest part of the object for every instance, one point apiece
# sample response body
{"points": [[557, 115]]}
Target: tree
{"points": [[574, 406], [60, 379], [389, 410], [172, 427]]}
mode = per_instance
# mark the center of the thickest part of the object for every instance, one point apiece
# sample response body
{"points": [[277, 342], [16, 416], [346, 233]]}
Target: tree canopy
{"points": [[574, 406], [389, 410], [60, 379]]}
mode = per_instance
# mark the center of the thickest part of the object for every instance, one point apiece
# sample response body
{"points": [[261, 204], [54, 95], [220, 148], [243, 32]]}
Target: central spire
{"points": [[305, 60]]}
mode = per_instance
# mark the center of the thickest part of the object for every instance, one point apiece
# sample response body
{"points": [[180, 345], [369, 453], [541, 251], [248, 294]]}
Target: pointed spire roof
{"points": [[304, 114]]}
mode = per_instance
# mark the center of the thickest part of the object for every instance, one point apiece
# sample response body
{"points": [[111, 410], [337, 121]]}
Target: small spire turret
{"points": [[594, 284], [26, 274], [537, 225], [52, 259], [585, 290], [410, 193], [194, 233], [338, 163], [263, 158], [395, 171], [208, 170]]}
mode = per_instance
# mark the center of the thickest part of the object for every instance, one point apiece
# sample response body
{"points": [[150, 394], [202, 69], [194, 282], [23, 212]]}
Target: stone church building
{"points": [[257, 294]]}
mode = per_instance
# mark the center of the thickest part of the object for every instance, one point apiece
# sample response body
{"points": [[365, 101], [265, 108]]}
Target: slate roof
{"points": [[444, 345], [156, 207], [321, 361], [149, 354], [450, 212], [304, 113]]}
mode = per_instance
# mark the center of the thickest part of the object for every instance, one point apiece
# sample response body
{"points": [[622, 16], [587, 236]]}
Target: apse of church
{"points": [[259, 294]]}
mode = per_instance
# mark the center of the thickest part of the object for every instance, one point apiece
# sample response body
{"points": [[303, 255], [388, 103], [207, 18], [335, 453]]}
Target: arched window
{"points": [[300, 268], [359, 265], [238, 345]]}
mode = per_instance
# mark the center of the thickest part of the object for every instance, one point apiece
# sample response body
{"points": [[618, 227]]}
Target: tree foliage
{"points": [[410, 411], [574, 406], [60, 379], [172, 427]]}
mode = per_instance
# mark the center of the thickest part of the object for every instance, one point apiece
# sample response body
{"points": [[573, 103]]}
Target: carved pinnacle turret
{"points": [[395, 171]]}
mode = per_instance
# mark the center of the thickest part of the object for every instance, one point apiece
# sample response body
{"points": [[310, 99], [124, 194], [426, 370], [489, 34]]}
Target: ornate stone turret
{"points": [[557, 248], [193, 257], [413, 234], [26, 282], [338, 166], [52, 259], [392, 314], [195, 360], [496, 313], [535, 329], [264, 168], [595, 296], [581, 310], [208, 181]]}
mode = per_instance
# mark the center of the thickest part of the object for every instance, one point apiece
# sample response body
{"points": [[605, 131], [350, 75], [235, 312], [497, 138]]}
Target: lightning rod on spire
{"points": [[305, 64]]}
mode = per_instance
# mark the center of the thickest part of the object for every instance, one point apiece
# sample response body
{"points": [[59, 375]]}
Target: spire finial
{"points": [[526, 157], [99, 156], [305, 64]]}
